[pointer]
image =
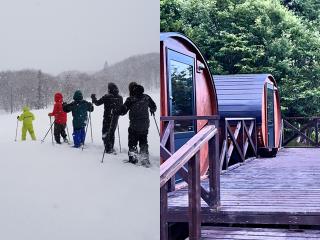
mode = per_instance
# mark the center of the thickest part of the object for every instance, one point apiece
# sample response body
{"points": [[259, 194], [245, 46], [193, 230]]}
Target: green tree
{"points": [[254, 36]]}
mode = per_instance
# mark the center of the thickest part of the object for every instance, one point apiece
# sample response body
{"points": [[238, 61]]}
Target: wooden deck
{"points": [[281, 190], [227, 233]]}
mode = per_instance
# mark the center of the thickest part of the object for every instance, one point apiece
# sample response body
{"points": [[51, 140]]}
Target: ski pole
{"points": [[85, 134], [68, 132], [51, 130], [91, 126], [119, 138], [47, 133], [17, 130], [104, 152], [155, 121]]}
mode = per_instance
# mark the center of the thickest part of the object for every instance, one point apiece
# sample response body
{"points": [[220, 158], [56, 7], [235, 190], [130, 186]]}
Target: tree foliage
{"points": [[256, 36]]}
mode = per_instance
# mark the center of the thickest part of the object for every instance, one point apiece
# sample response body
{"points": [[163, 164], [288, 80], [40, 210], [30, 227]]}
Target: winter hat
{"points": [[113, 89], [138, 90], [58, 97], [78, 95], [26, 109], [131, 87]]}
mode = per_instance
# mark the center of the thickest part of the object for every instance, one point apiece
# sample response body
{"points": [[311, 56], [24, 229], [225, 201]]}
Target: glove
{"points": [[93, 96], [152, 113], [18, 117]]}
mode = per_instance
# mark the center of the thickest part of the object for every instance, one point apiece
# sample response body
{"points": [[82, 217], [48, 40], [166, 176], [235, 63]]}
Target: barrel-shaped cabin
{"points": [[252, 96], [187, 89]]}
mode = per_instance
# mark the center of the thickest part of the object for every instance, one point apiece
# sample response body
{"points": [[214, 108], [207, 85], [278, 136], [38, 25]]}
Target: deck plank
{"points": [[284, 190], [237, 233]]}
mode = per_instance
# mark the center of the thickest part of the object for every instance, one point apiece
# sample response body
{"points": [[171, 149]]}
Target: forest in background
{"points": [[36, 89], [280, 37]]}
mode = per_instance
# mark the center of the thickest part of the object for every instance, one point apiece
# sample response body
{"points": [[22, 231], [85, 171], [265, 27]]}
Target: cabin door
{"points": [[181, 94], [270, 115]]}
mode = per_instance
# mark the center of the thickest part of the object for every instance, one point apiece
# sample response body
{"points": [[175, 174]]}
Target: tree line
{"points": [[280, 37], [35, 88]]}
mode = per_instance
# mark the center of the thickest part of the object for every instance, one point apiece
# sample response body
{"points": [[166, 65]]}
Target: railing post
{"points": [[227, 143], [172, 182], [255, 136], [194, 197], [243, 140], [317, 132], [214, 169], [163, 212], [223, 143]]}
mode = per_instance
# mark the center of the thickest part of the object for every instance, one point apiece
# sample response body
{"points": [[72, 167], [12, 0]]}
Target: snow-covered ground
{"points": [[59, 193]]}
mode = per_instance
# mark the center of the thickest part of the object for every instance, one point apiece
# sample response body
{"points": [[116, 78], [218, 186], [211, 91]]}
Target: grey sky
{"points": [[59, 35]]}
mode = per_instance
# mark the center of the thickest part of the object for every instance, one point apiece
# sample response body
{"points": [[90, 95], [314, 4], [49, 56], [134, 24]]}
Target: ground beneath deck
{"points": [[281, 190]]}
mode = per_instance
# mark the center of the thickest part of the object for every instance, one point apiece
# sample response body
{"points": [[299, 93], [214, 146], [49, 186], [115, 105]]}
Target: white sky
{"points": [[60, 35]]}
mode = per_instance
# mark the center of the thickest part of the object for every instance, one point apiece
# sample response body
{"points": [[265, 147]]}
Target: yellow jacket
{"points": [[27, 117]]}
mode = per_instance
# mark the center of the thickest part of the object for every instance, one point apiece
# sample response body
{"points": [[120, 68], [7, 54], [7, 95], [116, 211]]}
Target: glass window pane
{"points": [[270, 114], [182, 94]]}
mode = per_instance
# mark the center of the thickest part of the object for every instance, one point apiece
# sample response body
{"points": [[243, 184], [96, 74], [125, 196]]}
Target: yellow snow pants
{"points": [[29, 129]]}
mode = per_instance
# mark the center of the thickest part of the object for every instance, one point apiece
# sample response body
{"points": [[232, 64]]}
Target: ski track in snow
{"points": [[60, 193]]}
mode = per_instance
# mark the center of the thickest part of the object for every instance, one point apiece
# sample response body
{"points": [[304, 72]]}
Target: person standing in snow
{"points": [[27, 117], [138, 105], [111, 101], [60, 117], [79, 108], [131, 86]]}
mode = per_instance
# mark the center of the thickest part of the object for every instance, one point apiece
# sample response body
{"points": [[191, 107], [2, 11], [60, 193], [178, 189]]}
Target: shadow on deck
{"points": [[281, 190]]}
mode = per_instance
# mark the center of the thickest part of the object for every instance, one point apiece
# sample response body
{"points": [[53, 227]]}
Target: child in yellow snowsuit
{"points": [[27, 117]]}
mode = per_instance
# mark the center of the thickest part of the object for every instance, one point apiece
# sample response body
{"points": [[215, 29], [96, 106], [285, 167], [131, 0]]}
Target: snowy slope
{"points": [[60, 193]]}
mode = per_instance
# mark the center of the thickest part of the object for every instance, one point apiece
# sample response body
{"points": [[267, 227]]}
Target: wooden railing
{"points": [[301, 132], [189, 154], [239, 136]]}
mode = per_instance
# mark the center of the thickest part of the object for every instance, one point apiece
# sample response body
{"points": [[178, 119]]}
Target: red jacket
{"points": [[58, 113]]}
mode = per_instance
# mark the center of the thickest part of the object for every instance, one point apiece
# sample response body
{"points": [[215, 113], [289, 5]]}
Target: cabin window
{"points": [[270, 115], [181, 90]]}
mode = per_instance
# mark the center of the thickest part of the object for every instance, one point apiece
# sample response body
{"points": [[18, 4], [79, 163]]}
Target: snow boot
{"points": [[133, 155], [112, 151]]}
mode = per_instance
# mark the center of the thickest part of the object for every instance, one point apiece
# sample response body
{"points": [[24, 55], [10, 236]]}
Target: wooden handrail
{"points": [[312, 124], [301, 118], [185, 118], [172, 165], [236, 139], [175, 162]]}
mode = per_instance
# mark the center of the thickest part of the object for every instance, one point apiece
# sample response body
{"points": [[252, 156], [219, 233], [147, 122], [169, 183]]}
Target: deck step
{"points": [[238, 233]]}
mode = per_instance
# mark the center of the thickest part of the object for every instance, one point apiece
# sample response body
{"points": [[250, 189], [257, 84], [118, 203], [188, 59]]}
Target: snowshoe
{"points": [[145, 160], [133, 159]]}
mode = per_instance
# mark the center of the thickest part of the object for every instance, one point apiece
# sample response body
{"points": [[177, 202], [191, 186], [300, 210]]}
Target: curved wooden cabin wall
{"points": [[206, 103], [264, 141], [277, 116]]}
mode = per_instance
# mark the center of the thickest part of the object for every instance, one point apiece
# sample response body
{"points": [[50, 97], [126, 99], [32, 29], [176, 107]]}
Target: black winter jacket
{"points": [[138, 106], [110, 101]]}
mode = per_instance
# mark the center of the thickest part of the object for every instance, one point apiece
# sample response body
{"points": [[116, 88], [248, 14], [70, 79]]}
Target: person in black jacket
{"points": [[79, 109], [138, 105], [131, 86], [111, 101]]}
